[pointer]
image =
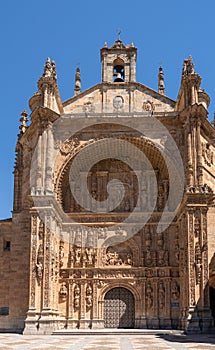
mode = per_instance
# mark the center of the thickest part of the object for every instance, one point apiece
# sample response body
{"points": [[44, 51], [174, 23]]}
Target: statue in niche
{"points": [[177, 253], [39, 264], [160, 242], [40, 253], [148, 257], [161, 296], [90, 256], [207, 154], [129, 259], [77, 294], [198, 263], [89, 296], [39, 271], [149, 296], [197, 224], [84, 259], [162, 259], [77, 256], [41, 230], [147, 237], [61, 253], [63, 291], [175, 291], [71, 258]]}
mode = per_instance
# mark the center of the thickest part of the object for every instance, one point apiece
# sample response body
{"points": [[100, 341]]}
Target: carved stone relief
{"points": [[161, 296], [118, 256], [63, 291], [149, 296], [207, 154], [77, 296], [89, 296], [148, 106], [175, 291]]}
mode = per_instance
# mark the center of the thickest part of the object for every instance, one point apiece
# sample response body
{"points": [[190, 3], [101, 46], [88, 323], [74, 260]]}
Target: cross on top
{"points": [[119, 32]]}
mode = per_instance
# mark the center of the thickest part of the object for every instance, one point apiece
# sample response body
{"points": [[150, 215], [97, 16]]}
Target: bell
{"points": [[118, 77]]}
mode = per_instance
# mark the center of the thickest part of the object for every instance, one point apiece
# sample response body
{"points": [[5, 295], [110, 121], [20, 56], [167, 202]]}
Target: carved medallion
{"points": [[118, 102], [148, 106]]}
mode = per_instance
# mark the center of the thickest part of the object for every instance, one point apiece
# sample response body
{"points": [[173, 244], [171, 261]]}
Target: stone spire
{"points": [[23, 122], [77, 89], [47, 95], [188, 67], [50, 69], [161, 86], [190, 92]]}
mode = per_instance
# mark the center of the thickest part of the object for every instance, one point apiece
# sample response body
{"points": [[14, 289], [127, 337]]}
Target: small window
{"points": [[4, 310], [6, 245]]}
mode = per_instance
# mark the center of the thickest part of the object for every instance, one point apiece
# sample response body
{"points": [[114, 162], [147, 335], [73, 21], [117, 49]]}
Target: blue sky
{"points": [[72, 33]]}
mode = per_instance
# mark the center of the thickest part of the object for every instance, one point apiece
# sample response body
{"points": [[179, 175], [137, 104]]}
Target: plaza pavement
{"points": [[176, 341]]}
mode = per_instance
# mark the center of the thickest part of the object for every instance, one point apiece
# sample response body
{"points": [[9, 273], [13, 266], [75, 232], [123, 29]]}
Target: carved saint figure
{"points": [[198, 262], [77, 256], [175, 290], [39, 271], [63, 291], [89, 296], [162, 258], [77, 293], [161, 296], [112, 258], [149, 296], [148, 257], [90, 256], [129, 259]]}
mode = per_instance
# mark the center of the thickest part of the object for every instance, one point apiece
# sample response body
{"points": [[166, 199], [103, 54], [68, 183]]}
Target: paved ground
{"points": [[107, 342]]}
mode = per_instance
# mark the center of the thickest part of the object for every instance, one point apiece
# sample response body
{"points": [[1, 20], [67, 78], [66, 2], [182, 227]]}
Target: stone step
{"points": [[116, 331]]}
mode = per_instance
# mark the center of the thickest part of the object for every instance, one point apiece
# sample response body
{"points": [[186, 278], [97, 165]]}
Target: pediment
{"points": [[122, 97]]}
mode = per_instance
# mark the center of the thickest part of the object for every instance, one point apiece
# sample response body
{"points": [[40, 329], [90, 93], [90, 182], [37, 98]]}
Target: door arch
{"points": [[119, 308]]}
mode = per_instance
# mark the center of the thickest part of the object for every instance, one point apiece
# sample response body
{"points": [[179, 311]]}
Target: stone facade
{"points": [[72, 260]]}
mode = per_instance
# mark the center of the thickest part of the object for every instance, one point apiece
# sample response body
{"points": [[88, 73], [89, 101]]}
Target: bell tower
{"points": [[118, 63]]}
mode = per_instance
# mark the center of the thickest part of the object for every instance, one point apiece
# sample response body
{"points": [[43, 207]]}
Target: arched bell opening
{"points": [[118, 70]]}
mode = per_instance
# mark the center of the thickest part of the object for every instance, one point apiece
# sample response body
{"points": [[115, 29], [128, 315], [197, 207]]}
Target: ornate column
{"points": [[168, 303], [70, 321], [38, 161], [155, 319], [142, 322], [96, 320], [194, 281], [199, 154], [82, 321], [49, 161], [206, 320], [189, 160], [31, 320], [47, 320]]}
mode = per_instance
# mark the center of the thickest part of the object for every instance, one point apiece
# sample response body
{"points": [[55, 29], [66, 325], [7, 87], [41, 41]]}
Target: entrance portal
{"points": [[119, 308]]}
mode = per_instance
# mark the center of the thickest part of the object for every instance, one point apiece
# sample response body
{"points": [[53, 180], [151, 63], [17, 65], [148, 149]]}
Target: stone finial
{"points": [[50, 69], [77, 89], [188, 67], [161, 86], [23, 122]]}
